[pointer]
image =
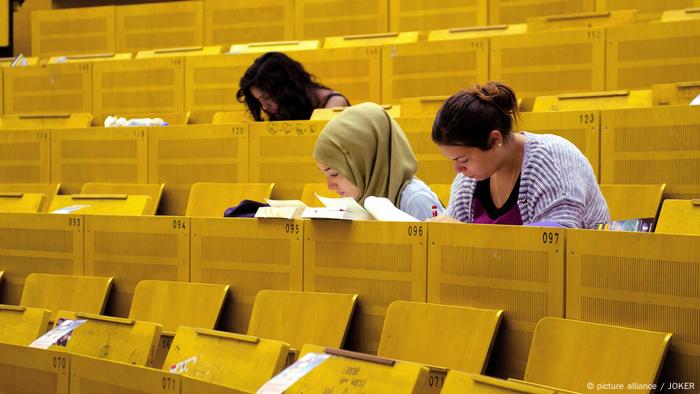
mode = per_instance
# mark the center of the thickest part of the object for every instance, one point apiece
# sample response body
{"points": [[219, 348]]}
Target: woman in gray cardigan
{"points": [[512, 178]]}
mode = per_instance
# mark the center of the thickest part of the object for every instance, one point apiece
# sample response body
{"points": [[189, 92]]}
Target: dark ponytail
{"points": [[468, 117]]}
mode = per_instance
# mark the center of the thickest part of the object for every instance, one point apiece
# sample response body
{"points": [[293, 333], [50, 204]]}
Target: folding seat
{"points": [[21, 202], [207, 359], [111, 338], [633, 201], [21, 325], [87, 294], [46, 121], [49, 190], [679, 217], [212, 199], [441, 337], [153, 190], [174, 304], [570, 354], [299, 318], [101, 204]]}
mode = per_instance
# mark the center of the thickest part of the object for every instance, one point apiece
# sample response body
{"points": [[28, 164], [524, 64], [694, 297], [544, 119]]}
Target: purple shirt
{"points": [[485, 212], [511, 216]]}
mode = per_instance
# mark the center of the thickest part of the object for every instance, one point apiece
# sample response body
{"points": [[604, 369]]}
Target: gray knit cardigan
{"points": [[557, 184]]}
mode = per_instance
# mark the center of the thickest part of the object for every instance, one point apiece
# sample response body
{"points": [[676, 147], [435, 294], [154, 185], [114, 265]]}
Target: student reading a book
{"points": [[280, 87], [512, 178], [363, 152]]}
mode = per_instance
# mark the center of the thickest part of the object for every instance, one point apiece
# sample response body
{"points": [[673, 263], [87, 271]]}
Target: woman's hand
{"points": [[443, 219]]}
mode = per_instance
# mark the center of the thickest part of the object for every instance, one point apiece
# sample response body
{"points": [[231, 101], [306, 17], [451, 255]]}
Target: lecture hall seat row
{"points": [[525, 271], [626, 146], [534, 64], [409, 333], [200, 23]]}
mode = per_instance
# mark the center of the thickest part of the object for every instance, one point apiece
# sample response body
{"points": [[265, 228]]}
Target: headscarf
{"points": [[368, 147]]}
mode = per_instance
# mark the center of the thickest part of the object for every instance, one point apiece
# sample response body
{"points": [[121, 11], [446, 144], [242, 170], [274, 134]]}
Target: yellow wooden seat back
{"points": [[447, 343], [212, 199], [65, 292], [299, 318], [308, 193], [633, 201], [21, 202], [49, 190], [178, 303], [234, 360], [153, 190], [20, 325], [112, 338], [679, 217], [569, 354], [101, 204]]}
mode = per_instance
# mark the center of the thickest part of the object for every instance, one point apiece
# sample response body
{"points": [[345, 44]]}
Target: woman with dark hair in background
{"points": [[279, 86], [512, 178]]}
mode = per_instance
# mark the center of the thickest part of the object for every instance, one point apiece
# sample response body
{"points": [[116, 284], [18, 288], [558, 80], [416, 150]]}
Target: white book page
{"points": [[696, 100], [286, 203], [343, 203], [382, 209]]}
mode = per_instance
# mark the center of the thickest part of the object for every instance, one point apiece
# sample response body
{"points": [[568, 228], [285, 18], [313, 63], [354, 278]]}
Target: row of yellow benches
{"points": [[382, 70], [197, 23], [631, 279], [177, 336], [632, 146], [212, 199]]}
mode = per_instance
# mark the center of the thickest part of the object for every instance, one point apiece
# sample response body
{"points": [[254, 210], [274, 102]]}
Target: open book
{"points": [[281, 209], [344, 208]]}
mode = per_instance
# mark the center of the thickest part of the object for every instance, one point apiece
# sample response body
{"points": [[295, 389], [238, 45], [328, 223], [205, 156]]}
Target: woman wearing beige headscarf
{"points": [[363, 152]]}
